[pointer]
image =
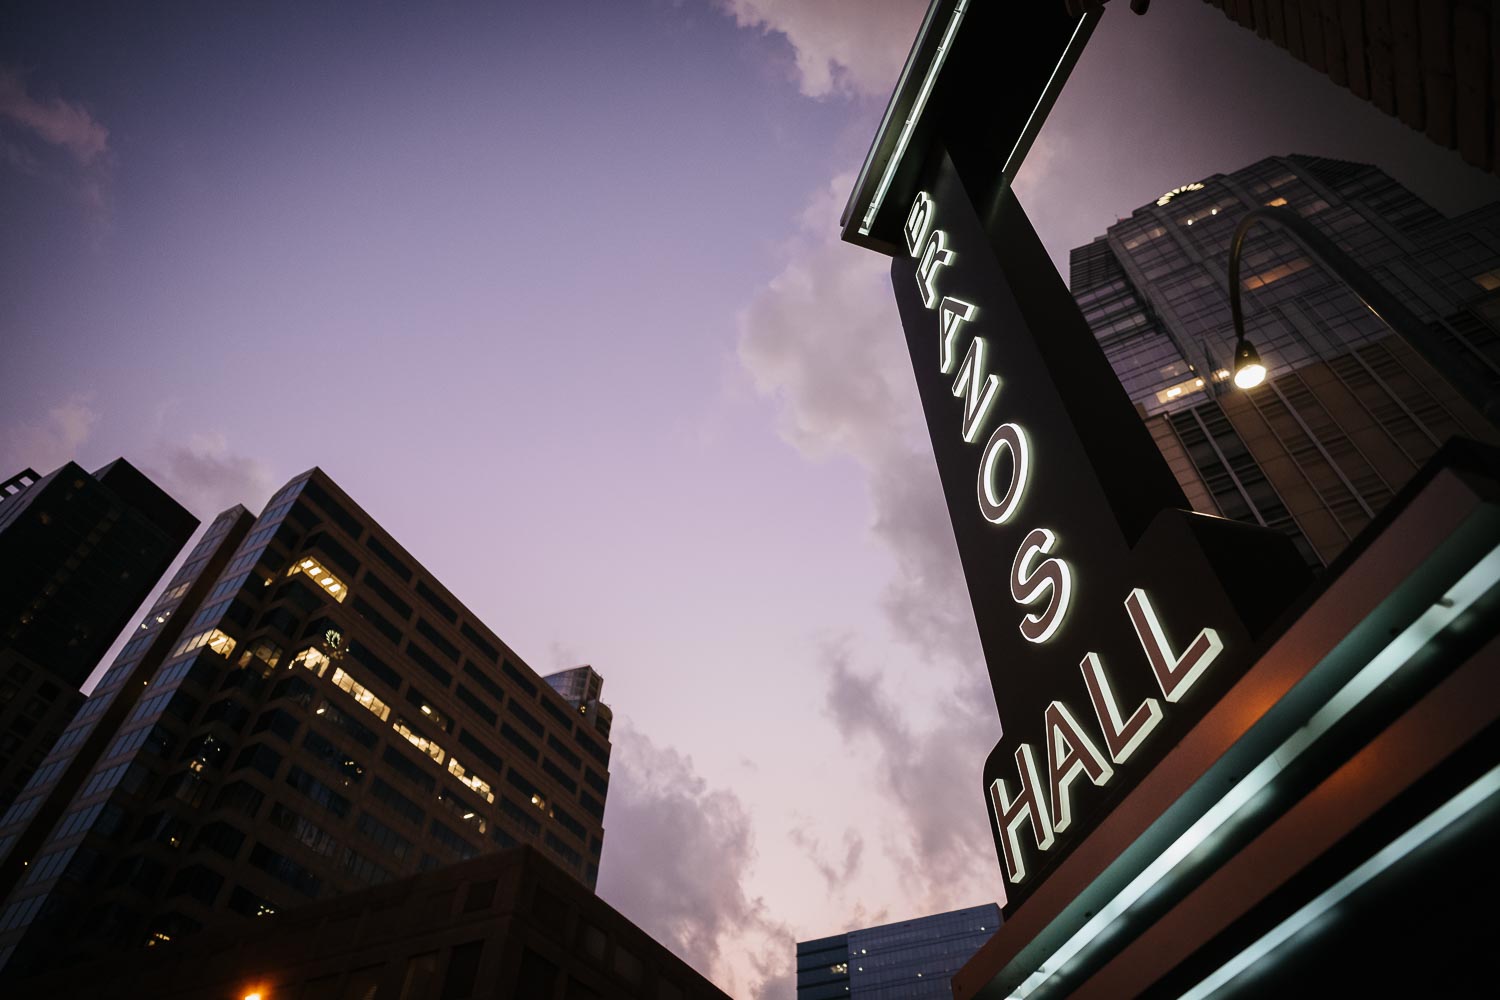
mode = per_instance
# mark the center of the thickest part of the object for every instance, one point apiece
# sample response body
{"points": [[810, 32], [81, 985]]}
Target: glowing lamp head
{"points": [[1248, 371], [253, 996]]}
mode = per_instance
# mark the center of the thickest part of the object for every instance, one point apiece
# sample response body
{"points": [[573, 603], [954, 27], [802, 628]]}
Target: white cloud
{"points": [[932, 778], [824, 339], [676, 862], [206, 477], [48, 443], [837, 872], [56, 121], [849, 47]]}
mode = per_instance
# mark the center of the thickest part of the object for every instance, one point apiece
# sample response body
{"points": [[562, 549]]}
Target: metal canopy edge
{"points": [[906, 128]]}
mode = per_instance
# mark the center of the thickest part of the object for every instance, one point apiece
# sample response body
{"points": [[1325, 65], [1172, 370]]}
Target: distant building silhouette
{"points": [[908, 960], [511, 924]]}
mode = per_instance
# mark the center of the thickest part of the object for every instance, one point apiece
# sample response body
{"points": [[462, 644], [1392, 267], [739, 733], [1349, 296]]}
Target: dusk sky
{"points": [[554, 291]]}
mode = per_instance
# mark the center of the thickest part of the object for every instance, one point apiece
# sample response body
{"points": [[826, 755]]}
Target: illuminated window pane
{"points": [[361, 694], [319, 574], [474, 782], [214, 639], [1179, 390], [1276, 273], [314, 660], [419, 741]]}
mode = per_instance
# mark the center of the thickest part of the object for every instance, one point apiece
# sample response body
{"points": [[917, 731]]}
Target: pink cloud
{"points": [[59, 122]]}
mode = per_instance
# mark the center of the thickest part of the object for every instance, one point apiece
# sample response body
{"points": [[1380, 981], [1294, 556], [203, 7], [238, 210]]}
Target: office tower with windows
{"points": [[80, 552], [581, 688], [901, 961], [1349, 410], [306, 711]]}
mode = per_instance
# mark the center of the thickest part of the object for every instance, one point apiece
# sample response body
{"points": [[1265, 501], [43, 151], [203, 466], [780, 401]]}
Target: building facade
{"points": [[510, 924], [305, 711], [1433, 64], [908, 960], [1349, 410], [80, 552]]}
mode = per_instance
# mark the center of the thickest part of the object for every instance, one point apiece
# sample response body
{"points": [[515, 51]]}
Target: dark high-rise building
{"points": [[79, 552], [908, 960], [1349, 410], [507, 925], [307, 711]]}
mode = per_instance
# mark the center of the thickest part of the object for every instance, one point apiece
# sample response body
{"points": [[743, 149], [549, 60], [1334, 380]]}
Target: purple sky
{"points": [[553, 290]]}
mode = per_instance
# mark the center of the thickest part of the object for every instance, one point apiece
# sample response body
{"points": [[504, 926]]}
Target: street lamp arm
{"points": [[1372, 294]]}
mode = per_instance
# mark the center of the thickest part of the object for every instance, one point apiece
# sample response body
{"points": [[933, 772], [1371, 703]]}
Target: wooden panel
{"points": [[1382, 68], [1435, 25], [1291, 14], [1471, 50], [1258, 13], [1406, 52], [1313, 42], [1352, 22], [1333, 43], [1275, 22]]}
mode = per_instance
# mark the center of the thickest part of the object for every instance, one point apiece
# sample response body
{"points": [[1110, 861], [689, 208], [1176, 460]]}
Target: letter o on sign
{"points": [[995, 506]]}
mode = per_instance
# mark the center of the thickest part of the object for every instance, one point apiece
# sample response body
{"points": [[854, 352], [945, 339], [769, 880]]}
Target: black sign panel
{"points": [[1110, 618]]}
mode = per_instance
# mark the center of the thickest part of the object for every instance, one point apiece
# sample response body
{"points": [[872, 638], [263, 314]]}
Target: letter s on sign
{"points": [[1029, 583]]}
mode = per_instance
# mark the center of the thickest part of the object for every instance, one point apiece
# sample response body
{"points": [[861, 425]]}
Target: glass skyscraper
{"points": [[79, 553], [1349, 410], [581, 688], [909, 960], [306, 710]]}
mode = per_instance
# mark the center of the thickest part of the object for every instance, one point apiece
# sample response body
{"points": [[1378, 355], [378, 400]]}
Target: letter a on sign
{"points": [[1070, 753]]}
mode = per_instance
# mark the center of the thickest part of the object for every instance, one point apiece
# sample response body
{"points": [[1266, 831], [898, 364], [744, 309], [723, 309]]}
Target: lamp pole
{"points": [[1375, 297]]}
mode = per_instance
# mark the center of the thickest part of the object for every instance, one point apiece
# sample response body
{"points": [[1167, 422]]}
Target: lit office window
{"points": [[263, 650], [213, 639], [419, 741], [1179, 390], [361, 694], [476, 783], [320, 575], [1276, 273], [314, 660]]}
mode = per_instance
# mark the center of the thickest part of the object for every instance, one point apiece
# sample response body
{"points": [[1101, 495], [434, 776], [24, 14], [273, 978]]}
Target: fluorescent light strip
{"points": [[910, 125], [1435, 822], [1469, 588]]}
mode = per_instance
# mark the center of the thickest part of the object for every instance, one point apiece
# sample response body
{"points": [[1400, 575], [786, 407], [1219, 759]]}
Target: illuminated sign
{"points": [[1108, 619], [976, 385], [1166, 199]]}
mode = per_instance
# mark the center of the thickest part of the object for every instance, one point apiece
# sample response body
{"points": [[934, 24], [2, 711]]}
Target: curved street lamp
{"points": [[1249, 371]]}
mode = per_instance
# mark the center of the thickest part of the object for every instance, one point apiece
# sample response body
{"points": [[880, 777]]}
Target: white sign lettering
{"points": [[1042, 582]]}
